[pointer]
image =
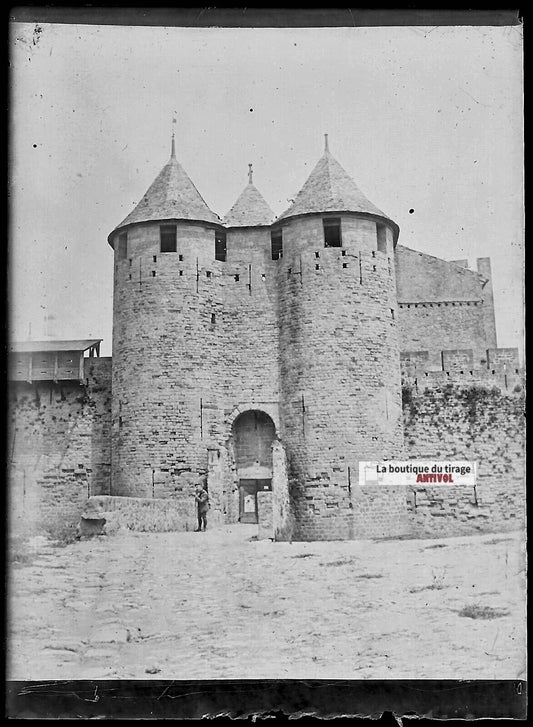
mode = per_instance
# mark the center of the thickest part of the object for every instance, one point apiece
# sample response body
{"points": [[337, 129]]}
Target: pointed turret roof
{"points": [[250, 209], [329, 188], [171, 195]]}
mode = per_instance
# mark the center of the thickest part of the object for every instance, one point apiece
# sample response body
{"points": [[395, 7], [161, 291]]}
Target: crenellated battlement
{"points": [[501, 368]]}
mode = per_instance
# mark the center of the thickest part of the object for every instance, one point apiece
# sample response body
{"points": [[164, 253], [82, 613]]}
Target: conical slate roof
{"points": [[171, 195], [250, 209], [329, 188]]}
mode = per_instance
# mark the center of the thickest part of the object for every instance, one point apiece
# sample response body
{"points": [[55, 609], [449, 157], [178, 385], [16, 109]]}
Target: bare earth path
{"points": [[222, 605]]}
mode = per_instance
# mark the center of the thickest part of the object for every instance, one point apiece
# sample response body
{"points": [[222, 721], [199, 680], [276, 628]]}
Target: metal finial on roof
{"points": [[173, 145], [250, 173], [326, 143]]}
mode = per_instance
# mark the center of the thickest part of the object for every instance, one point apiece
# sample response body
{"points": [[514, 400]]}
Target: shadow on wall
{"points": [[98, 371]]}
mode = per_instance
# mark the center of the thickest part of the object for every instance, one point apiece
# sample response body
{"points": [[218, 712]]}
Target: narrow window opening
{"points": [[344, 265], [130, 276], [213, 319], [220, 246], [181, 272], [317, 267], [374, 268], [332, 232], [263, 276], [180, 258], [373, 253], [168, 237], [123, 246], [208, 273], [153, 273], [237, 278], [382, 237], [317, 254], [276, 244], [131, 261], [392, 313], [155, 258], [343, 253]]}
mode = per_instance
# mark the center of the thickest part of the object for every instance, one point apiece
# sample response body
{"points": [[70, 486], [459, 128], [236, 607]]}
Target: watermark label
{"points": [[393, 473]]}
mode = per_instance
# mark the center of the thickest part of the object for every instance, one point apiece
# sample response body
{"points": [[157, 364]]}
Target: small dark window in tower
{"points": [[392, 313], [213, 319], [131, 262], [220, 246], [153, 273], [317, 267], [343, 253], [155, 258], [130, 276], [344, 265], [276, 244], [317, 254], [237, 276], [382, 237], [123, 246], [181, 272], [208, 273], [332, 232], [180, 258], [168, 238]]}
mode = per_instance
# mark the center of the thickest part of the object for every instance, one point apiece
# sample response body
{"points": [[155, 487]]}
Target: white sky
{"points": [[428, 119]]}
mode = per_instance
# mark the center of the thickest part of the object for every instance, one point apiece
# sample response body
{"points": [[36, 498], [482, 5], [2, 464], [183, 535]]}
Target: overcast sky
{"points": [[423, 119]]}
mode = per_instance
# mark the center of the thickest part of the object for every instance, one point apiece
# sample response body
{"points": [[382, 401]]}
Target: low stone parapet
{"points": [[142, 514]]}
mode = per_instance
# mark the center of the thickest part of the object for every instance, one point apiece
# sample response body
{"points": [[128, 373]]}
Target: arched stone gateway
{"points": [[253, 434]]}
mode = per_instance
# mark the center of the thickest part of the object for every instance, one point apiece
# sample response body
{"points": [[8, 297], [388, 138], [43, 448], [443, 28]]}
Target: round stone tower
{"points": [[164, 349], [339, 356]]}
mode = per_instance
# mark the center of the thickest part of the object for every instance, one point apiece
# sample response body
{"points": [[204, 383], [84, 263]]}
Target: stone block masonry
{"points": [[339, 377], [444, 305], [59, 450], [500, 369], [190, 344], [478, 423], [142, 514]]}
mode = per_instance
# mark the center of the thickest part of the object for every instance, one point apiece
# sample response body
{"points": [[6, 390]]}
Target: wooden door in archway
{"points": [[253, 434]]}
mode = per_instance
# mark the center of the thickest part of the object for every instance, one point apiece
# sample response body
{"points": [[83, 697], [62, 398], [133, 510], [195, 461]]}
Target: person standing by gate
{"points": [[202, 504]]}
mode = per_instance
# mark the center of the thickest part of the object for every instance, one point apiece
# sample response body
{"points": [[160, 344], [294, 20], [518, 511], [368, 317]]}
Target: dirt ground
{"points": [[223, 605]]}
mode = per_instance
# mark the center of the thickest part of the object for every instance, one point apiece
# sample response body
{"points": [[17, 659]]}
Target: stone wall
{"points": [[142, 514], [340, 383], [58, 447], [476, 422], [458, 367], [444, 305], [191, 345]]}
